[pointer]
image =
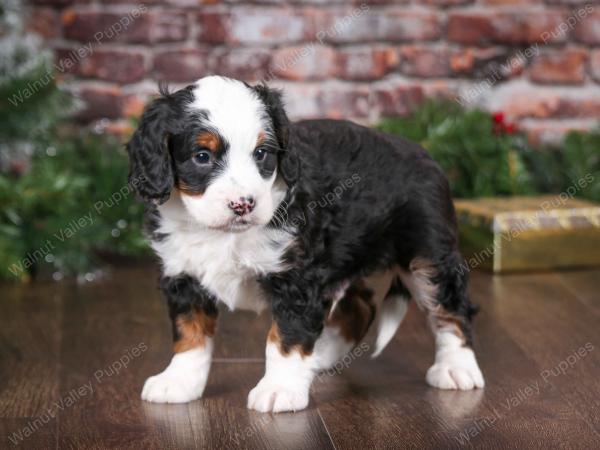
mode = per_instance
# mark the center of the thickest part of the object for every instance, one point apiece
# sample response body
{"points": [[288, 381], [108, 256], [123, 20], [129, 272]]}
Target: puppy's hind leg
{"points": [[440, 289], [193, 314], [392, 311]]}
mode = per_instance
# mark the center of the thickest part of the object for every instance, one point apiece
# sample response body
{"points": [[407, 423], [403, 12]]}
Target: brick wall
{"points": [[536, 60]]}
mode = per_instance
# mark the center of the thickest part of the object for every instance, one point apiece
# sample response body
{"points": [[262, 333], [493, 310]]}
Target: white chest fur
{"points": [[227, 264]]}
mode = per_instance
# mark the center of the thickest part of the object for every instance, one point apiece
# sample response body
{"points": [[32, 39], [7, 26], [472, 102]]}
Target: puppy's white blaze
{"points": [[455, 366], [393, 310], [237, 114], [286, 383], [184, 379], [233, 108]]}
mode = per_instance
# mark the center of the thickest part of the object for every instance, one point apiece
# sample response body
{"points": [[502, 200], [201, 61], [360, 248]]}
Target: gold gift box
{"points": [[529, 233]]}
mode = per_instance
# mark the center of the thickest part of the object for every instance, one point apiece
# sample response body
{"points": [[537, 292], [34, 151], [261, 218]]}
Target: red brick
{"points": [[265, 25], [245, 64], [510, 2], [213, 27], [470, 28], [308, 62], [108, 65], [182, 65], [44, 21], [398, 25], [334, 100], [418, 61], [528, 28], [144, 27], [569, 2], [55, 3], [505, 27], [477, 61], [588, 29], [301, 100], [397, 100], [366, 63], [560, 66], [551, 105], [595, 65], [346, 25], [101, 102], [344, 101], [447, 2], [496, 63]]}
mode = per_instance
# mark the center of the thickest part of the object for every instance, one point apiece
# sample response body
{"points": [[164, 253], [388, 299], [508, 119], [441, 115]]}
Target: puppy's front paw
{"points": [[165, 388], [457, 369], [268, 395], [182, 381]]}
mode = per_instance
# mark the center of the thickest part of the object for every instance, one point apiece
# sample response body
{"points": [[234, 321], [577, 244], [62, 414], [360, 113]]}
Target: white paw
{"points": [[183, 380], [456, 369], [272, 396], [164, 388]]}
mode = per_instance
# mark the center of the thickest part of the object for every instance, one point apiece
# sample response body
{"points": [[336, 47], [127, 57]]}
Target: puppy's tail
{"points": [[393, 310]]}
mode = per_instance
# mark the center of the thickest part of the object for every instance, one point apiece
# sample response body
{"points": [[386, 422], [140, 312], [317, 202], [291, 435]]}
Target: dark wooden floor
{"points": [[73, 360]]}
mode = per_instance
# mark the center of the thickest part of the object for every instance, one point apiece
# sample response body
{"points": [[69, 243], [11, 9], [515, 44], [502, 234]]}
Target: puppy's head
{"points": [[221, 145]]}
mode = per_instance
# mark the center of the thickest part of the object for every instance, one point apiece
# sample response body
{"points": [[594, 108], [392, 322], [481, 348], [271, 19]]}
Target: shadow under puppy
{"points": [[331, 225]]}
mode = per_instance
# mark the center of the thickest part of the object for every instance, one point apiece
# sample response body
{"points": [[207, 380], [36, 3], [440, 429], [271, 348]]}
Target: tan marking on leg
{"points": [[192, 330], [274, 338], [446, 321], [354, 312], [419, 282]]}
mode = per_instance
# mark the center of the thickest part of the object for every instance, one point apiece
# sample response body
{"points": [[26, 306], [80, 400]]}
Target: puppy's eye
{"points": [[202, 158], [259, 154]]}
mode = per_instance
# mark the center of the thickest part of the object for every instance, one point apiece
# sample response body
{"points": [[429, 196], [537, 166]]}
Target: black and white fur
{"points": [[296, 249]]}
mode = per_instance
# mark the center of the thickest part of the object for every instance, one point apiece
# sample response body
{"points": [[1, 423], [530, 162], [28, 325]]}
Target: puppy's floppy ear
{"points": [[289, 165], [151, 172]]}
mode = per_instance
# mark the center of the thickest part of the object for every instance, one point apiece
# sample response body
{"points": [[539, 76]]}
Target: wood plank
{"points": [[241, 335], [221, 420], [386, 402], [552, 327], [103, 325], [56, 337], [30, 320], [583, 285]]}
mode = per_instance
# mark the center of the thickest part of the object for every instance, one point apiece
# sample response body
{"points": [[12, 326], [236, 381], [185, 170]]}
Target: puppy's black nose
{"points": [[244, 205]]}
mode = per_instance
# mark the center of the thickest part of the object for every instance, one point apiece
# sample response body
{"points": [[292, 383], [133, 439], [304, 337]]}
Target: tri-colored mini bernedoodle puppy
{"points": [[330, 225]]}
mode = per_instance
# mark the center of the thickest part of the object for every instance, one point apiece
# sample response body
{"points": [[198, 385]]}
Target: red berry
{"points": [[498, 117], [510, 128]]}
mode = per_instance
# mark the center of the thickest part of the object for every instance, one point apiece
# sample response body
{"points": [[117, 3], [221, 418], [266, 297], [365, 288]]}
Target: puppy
{"points": [[326, 223]]}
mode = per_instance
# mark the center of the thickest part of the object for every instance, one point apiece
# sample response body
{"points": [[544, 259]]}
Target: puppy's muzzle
{"points": [[242, 206]]}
